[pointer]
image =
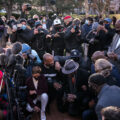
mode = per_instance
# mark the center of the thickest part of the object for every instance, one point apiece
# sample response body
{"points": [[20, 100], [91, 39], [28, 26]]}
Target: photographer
{"points": [[39, 42], [3, 34], [14, 79], [21, 32], [31, 58], [73, 37], [25, 10], [58, 44], [91, 38]]}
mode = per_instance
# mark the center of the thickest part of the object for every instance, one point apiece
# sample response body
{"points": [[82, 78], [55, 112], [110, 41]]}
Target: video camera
{"points": [[28, 7], [17, 27], [40, 31], [76, 27], [14, 75], [31, 22]]}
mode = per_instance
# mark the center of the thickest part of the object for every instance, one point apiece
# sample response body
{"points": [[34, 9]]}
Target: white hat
{"points": [[57, 22]]}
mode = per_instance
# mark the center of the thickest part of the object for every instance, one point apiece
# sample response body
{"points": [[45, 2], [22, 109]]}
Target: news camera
{"points": [[40, 31], [28, 7], [76, 27]]}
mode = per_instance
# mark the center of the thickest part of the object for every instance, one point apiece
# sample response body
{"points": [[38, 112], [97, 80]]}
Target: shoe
{"points": [[43, 117]]}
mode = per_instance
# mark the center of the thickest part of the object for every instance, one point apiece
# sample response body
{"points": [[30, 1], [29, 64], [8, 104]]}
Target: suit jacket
{"points": [[108, 96], [81, 79], [112, 47], [42, 88]]}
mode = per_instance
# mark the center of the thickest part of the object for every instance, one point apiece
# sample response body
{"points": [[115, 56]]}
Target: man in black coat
{"points": [[39, 42], [76, 90], [3, 34], [21, 33], [53, 76], [58, 44], [73, 37]]}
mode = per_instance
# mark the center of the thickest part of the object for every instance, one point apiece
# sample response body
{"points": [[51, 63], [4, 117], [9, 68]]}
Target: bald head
{"points": [[48, 59], [97, 55]]}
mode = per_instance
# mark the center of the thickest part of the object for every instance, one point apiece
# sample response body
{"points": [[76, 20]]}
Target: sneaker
{"points": [[43, 117]]}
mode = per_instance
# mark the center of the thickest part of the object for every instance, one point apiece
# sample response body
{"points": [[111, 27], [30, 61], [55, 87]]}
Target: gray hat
{"points": [[70, 66]]}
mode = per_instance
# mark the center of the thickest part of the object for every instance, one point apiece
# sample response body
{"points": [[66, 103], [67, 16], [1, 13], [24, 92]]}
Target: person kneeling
{"points": [[37, 91]]}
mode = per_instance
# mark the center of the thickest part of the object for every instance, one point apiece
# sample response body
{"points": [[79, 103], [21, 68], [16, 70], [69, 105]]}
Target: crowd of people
{"points": [[72, 61]]}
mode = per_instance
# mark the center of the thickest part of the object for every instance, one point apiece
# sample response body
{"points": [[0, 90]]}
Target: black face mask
{"points": [[36, 78], [35, 19], [50, 65], [57, 27], [117, 31]]}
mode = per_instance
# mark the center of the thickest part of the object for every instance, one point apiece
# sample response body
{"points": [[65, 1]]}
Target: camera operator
{"points": [[21, 32], [3, 34], [25, 10], [14, 78], [36, 18], [31, 58], [73, 37], [39, 42], [58, 44], [94, 43], [31, 21]]}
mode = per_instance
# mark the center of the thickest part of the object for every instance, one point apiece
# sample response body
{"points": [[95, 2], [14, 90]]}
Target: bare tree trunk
{"points": [[106, 8], [86, 8], [8, 6]]}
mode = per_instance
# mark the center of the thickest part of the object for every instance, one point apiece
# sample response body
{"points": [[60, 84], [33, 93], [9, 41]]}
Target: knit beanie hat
{"points": [[67, 18]]}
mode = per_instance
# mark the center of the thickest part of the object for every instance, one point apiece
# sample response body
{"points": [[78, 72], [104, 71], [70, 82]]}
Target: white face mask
{"points": [[44, 20], [86, 21]]}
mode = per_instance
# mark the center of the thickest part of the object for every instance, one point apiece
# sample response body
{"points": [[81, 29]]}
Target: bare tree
{"points": [[86, 8], [101, 6]]}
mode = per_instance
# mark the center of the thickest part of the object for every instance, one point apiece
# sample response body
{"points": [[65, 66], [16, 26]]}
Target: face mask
{"points": [[87, 21], [57, 27], [23, 27], [35, 19], [49, 65], [36, 78], [107, 25], [44, 20]]}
